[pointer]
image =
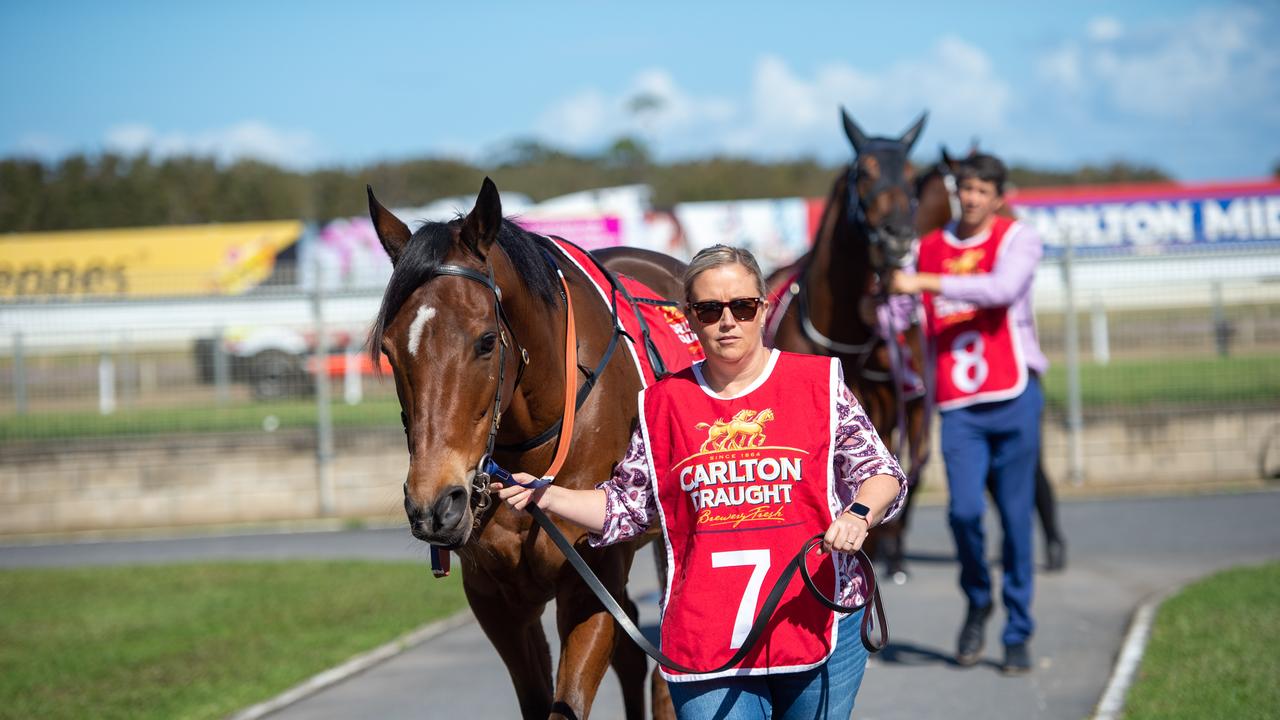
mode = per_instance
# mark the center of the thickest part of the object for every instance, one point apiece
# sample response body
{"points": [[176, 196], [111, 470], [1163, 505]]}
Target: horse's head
{"points": [[454, 354], [881, 195]]}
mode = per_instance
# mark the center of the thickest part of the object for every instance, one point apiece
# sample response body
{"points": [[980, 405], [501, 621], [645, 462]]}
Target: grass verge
{"points": [[196, 640], [1214, 650], [1166, 382]]}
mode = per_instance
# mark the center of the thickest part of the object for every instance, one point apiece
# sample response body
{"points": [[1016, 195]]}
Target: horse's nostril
{"points": [[450, 508]]}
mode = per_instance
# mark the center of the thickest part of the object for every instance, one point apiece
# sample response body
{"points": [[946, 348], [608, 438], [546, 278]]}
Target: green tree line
{"points": [[109, 190]]}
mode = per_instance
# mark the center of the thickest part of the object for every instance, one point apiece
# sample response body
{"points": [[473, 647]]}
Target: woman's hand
{"points": [[846, 534], [519, 497], [901, 283]]}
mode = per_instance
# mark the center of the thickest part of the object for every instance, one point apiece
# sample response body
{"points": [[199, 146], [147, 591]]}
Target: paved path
{"points": [[1121, 552]]}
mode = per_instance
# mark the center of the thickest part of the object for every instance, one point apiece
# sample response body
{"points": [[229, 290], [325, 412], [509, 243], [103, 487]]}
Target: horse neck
{"points": [[836, 276], [537, 402]]}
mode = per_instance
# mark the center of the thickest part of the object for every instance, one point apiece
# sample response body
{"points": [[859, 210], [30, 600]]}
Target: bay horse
{"points": [[474, 322], [829, 299]]}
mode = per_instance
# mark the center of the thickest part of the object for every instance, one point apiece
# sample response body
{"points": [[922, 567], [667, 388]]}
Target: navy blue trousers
{"points": [[1002, 438]]}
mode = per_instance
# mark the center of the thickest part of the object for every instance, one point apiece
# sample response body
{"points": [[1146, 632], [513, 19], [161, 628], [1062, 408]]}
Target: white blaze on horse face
{"points": [[425, 313]]}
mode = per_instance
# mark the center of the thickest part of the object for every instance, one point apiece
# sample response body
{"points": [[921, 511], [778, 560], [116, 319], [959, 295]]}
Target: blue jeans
{"points": [[827, 691], [1003, 438]]}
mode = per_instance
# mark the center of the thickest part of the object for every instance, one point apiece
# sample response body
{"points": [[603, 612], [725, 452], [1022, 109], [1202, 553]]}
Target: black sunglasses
{"points": [[709, 311]]}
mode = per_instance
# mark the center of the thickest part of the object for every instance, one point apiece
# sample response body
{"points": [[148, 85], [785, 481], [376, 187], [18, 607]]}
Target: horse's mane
{"points": [[425, 253]]}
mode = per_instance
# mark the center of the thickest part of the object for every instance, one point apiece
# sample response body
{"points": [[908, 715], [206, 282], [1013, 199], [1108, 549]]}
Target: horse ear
{"points": [[480, 228], [912, 134], [853, 132], [393, 233], [946, 156]]}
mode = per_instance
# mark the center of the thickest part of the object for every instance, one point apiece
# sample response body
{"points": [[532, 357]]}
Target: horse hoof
{"points": [[899, 577]]}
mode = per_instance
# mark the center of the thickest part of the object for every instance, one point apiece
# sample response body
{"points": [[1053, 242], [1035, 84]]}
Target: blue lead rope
{"points": [[496, 471]]}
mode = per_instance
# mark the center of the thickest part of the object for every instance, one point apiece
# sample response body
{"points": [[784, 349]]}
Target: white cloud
{"points": [[789, 112], [1104, 29], [592, 117], [40, 145], [248, 139], [1220, 60], [955, 81]]}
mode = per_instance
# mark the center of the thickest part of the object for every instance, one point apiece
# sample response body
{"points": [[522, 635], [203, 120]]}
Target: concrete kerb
{"points": [[1129, 659], [354, 666]]}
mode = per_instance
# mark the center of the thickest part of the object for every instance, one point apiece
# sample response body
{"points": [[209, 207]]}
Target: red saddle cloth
{"points": [[659, 339]]}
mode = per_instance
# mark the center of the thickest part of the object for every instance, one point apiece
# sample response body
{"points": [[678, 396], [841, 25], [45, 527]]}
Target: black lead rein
{"points": [[873, 603], [872, 594]]}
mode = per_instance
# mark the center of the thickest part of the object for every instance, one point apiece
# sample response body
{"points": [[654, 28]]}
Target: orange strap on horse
{"points": [[570, 384]]}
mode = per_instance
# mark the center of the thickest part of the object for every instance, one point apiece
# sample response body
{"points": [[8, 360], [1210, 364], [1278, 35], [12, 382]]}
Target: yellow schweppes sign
{"points": [[143, 262]]}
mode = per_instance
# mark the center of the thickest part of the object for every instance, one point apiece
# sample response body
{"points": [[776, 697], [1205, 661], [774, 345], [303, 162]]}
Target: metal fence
{"points": [[264, 406]]}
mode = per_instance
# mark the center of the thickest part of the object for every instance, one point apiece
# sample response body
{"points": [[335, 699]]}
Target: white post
{"points": [[1101, 340], [1075, 414], [106, 383], [19, 374], [221, 368], [324, 421], [352, 381]]}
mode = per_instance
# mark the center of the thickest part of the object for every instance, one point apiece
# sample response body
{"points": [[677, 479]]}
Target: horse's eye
{"points": [[484, 346]]}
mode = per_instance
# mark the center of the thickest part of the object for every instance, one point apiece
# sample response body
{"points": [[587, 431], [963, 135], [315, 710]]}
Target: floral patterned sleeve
{"points": [[630, 506], [860, 453]]}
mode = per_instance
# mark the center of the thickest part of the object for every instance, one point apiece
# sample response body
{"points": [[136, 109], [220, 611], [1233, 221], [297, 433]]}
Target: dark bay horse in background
{"points": [[473, 322], [832, 295]]}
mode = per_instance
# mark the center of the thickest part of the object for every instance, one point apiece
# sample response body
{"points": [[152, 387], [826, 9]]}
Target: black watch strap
{"points": [[859, 510]]}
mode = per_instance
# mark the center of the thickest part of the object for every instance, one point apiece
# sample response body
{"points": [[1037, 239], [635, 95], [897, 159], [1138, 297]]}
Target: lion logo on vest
{"points": [[744, 430]]}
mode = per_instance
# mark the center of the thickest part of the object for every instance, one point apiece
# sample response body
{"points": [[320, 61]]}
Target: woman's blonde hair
{"points": [[716, 256]]}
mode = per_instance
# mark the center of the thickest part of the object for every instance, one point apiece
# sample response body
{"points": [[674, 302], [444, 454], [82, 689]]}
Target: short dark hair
{"points": [[983, 167]]}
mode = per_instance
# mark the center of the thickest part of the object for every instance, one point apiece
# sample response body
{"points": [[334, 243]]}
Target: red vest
{"points": [[741, 483], [978, 358]]}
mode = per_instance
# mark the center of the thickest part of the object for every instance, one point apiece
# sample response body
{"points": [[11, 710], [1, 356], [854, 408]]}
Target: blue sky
{"points": [[1192, 87]]}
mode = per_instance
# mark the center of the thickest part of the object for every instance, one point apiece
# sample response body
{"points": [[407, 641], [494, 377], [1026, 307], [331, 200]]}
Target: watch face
{"points": [[860, 510]]}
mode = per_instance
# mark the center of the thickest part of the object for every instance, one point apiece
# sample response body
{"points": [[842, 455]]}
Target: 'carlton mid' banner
{"points": [[1154, 219]]}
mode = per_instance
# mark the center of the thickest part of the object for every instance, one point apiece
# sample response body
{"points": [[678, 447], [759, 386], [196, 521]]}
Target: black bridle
{"points": [[895, 247], [480, 498], [896, 250]]}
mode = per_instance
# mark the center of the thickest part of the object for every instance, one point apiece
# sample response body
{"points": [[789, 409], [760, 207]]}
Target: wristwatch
{"points": [[859, 510]]}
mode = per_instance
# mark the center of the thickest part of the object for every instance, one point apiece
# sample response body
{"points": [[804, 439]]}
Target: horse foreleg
{"points": [[630, 663], [588, 635], [663, 707], [516, 633]]}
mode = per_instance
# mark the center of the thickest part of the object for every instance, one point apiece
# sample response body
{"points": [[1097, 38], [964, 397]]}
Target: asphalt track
{"points": [[1121, 553]]}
